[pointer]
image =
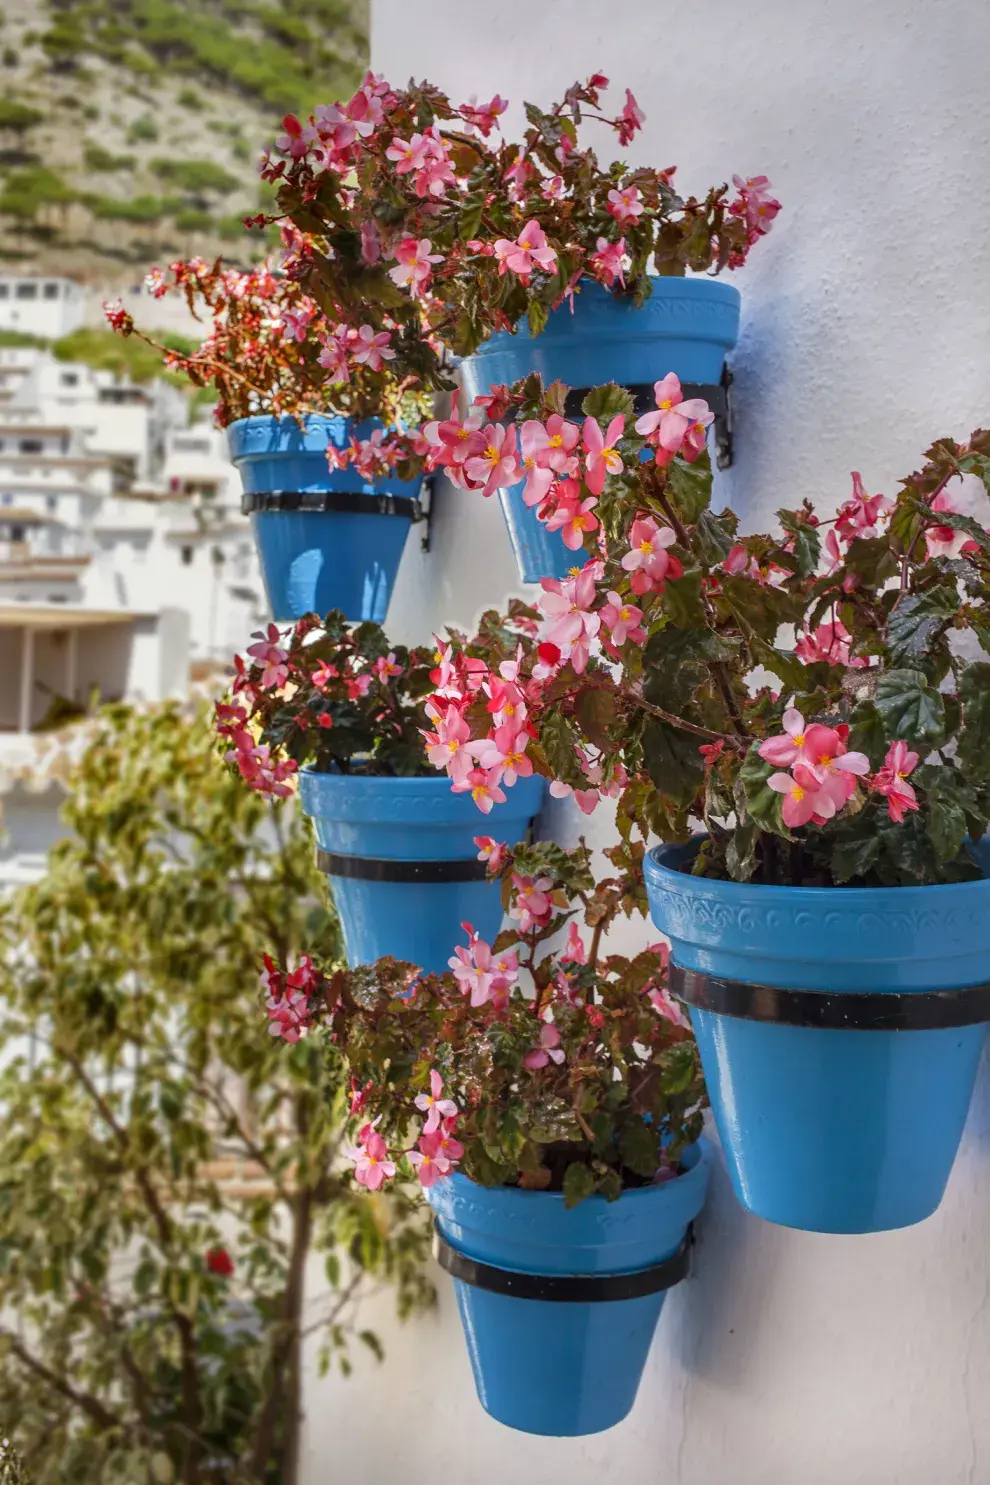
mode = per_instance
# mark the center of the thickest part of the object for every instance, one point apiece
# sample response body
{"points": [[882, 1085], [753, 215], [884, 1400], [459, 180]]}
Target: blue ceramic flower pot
{"points": [[326, 539], [686, 326], [832, 1130], [563, 1368], [404, 871]]}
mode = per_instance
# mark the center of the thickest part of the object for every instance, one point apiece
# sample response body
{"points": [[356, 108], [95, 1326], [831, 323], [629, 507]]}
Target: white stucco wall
{"points": [[788, 1358]]}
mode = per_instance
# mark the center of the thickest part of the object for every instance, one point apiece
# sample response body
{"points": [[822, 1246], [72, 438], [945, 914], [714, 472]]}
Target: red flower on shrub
{"points": [[219, 1261]]}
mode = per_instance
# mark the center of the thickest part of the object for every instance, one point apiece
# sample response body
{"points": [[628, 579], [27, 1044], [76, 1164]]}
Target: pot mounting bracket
{"points": [[716, 394]]}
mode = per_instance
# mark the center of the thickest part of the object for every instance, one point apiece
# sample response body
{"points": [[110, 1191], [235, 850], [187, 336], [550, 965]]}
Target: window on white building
{"points": [[4, 291], [187, 554], [69, 379], [25, 291], [30, 446], [50, 291]]}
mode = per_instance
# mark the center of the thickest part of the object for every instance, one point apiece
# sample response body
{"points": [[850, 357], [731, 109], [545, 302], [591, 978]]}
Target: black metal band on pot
{"points": [[714, 393], [578, 1289], [923, 1010], [381, 869], [340, 502]]}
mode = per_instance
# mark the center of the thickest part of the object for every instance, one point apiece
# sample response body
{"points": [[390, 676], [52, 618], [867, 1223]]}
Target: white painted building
{"points": [[44, 306]]}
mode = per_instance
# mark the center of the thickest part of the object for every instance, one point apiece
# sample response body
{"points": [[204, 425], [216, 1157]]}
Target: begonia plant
{"points": [[815, 696], [564, 1069], [268, 348], [422, 216]]}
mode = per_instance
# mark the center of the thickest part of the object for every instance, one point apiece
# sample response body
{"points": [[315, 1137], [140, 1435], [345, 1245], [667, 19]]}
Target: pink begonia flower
{"points": [[506, 703], [483, 116], [739, 560], [587, 800], [665, 1005], [630, 119], [791, 746], [333, 356], [504, 754], [429, 1161], [531, 903], [530, 250], [755, 204], [371, 244], [483, 787], [570, 623], [259, 770], [676, 426], [357, 686], [492, 851], [517, 175], [457, 440], [268, 653], [448, 1145], [553, 189], [408, 154], [415, 264], [385, 667], [369, 349], [372, 1166], [859, 515], [472, 968], [837, 771], [296, 139], [804, 800], [622, 619], [295, 322], [449, 747], [437, 173], [497, 464], [626, 206], [549, 1049], [946, 541], [648, 560], [433, 1106], [606, 263], [891, 780], [601, 457], [573, 951], [572, 518], [553, 443], [829, 642], [289, 1016]]}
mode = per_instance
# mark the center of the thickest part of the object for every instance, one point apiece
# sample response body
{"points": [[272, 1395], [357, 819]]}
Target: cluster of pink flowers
{"points": [[334, 133], [344, 347], [253, 760], [824, 772], [678, 426], [289, 998], [436, 1153], [378, 456]]}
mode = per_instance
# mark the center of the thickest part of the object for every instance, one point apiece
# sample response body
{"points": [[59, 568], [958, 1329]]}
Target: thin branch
{"points": [[85, 1401]]}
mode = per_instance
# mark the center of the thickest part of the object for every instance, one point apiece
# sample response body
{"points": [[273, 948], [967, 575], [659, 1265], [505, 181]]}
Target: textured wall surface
{"points": [[788, 1358]]}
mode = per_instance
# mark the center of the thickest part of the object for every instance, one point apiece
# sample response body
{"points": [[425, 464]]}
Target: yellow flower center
{"points": [[666, 406], [437, 656], [624, 615], [646, 547], [525, 243], [797, 794], [825, 759], [556, 441], [492, 454], [509, 709], [798, 739], [452, 747], [464, 433]]}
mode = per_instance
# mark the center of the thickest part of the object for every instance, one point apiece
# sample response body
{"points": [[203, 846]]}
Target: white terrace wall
{"points": [[788, 1358]]}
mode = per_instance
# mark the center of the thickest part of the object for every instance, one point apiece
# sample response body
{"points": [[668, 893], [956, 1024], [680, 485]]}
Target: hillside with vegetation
{"points": [[130, 129]]}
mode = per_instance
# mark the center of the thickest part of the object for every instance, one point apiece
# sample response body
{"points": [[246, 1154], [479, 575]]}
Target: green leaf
{"points": [[537, 314], [676, 661], [595, 709], [754, 799], [469, 223], [690, 487], [374, 1345], [953, 808], [871, 559], [917, 620], [558, 740], [639, 1147], [579, 1182], [712, 541], [866, 732], [672, 760], [973, 753], [853, 855], [971, 527], [682, 600], [606, 402], [910, 707], [740, 852], [677, 1068], [806, 547]]}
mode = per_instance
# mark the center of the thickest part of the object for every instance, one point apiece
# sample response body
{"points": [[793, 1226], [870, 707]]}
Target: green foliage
{"points": [[144, 130], [95, 157], [105, 351], [195, 177], [15, 116], [128, 1351]]}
